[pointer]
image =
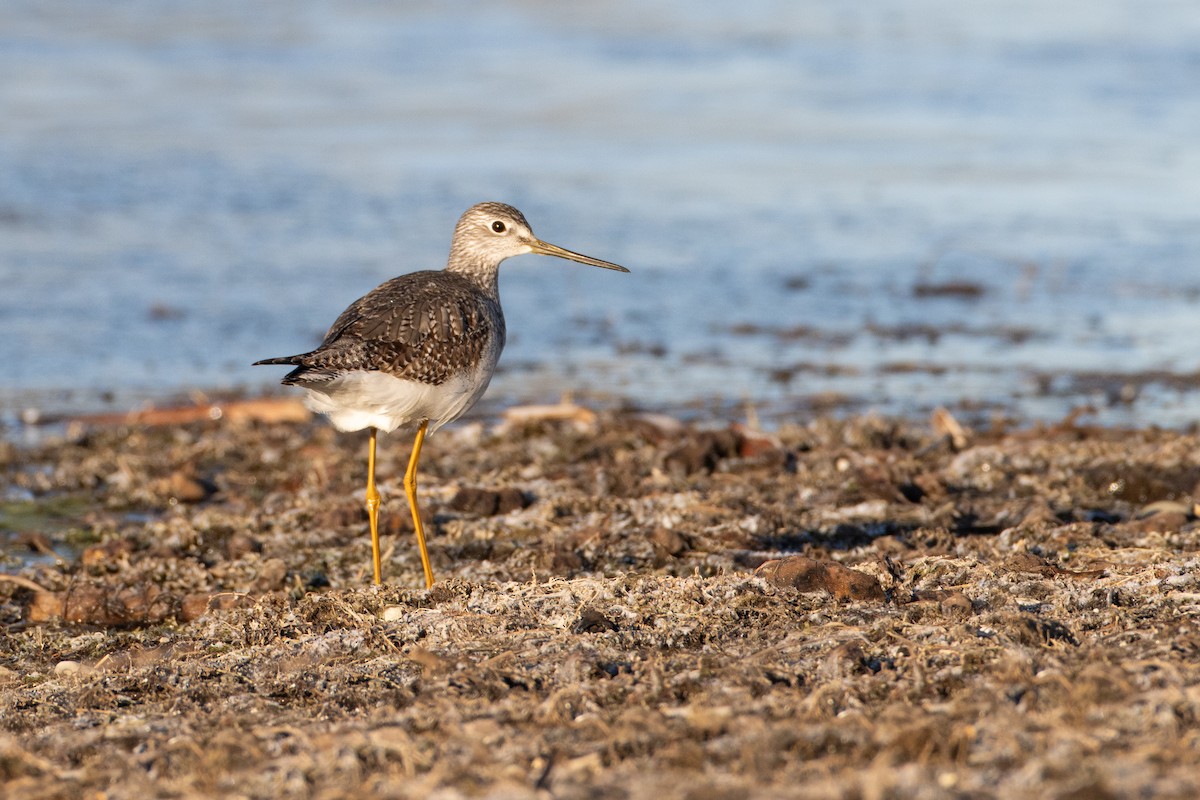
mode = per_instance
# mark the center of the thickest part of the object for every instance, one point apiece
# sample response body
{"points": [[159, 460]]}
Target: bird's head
{"points": [[488, 233]]}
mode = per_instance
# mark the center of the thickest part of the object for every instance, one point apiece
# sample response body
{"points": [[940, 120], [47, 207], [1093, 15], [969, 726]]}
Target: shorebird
{"points": [[420, 348]]}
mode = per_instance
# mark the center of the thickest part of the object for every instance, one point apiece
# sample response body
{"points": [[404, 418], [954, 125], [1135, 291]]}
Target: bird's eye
{"points": [[498, 226]]}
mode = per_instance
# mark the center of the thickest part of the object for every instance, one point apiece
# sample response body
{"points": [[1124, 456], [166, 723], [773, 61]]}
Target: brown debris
{"points": [[106, 554], [702, 452], [809, 575], [37, 542], [1030, 563], [950, 602], [956, 604], [669, 542], [566, 411], [183, 486], [265, 410], [944, 424], [592, 621], [489, 502], [110, 607], [753, 443], [1163, 516], [97, 605], [24, 583], [194, 606]]}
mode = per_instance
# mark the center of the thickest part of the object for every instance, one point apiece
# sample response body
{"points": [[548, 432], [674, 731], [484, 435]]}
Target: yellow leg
{"points": [[410, 489], [373, 509]]}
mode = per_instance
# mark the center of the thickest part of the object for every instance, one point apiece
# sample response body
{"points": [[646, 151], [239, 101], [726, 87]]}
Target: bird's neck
{"points": [[482, 273]]}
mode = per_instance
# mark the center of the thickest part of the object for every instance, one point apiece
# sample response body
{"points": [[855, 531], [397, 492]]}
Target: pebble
{"points": [[810, 575], [488, 502]]}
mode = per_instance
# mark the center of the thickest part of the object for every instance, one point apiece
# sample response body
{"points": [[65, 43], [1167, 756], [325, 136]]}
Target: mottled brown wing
{"points": [[424, 326]]}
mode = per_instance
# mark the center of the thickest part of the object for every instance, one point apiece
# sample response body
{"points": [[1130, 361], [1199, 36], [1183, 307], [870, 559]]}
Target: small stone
{"points": [[107, 554], [431, 663], [669, 542], [316, 579], [1164, 521], [1030, 563], [753, 443], [592, 621], [561, 560], [271, 575], [510, 499], [194, 606], [488, 502], [392, 613], [956, 604], [809, 575], [239, 544], [1039, 514], [186, 487], [702, 453], [850, 653]]}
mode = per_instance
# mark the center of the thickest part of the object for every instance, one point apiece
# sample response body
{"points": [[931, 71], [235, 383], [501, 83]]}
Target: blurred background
{"points": [[826, 206]]}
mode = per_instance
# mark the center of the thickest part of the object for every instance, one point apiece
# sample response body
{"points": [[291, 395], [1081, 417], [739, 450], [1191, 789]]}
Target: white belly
{"points": [[365, 399]]}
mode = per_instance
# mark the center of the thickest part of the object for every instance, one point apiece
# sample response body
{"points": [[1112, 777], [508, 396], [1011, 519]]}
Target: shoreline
{"points": [[1118, 402]]}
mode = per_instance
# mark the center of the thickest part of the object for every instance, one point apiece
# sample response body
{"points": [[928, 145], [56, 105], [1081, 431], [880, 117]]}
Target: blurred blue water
{"points": [[186, 188]]}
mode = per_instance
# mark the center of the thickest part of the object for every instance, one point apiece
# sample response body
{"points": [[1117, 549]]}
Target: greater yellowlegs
{"points": [[420, 348]]}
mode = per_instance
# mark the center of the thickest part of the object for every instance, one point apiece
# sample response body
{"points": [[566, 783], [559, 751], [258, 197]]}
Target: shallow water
{"points": [[186, 189]]}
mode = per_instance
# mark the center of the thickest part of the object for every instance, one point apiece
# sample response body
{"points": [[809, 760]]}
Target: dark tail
{"points": [[303, 373]]}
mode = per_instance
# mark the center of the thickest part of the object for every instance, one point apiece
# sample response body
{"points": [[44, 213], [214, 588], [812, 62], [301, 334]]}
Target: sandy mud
{"points": [[626, 607]]}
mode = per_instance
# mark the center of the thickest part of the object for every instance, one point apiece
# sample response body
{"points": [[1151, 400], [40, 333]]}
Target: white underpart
{"points": [[363, 399]]}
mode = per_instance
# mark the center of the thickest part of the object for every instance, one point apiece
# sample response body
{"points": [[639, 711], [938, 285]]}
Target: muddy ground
{"points": [[192, 614]]}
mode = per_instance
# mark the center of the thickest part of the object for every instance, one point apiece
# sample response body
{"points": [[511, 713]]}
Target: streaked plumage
{"points": [[420, 348]]}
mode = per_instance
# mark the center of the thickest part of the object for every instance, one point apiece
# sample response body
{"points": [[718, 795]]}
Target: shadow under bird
{"points": [[420, 348]]}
